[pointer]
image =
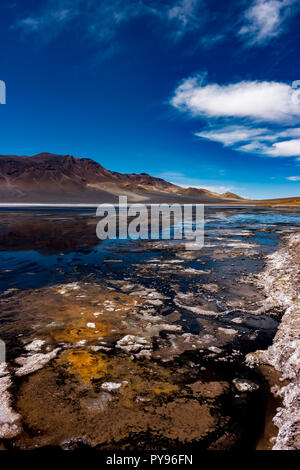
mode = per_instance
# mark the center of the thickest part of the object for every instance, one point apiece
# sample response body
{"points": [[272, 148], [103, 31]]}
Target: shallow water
{"points": [[197, 312], [46, 247]]}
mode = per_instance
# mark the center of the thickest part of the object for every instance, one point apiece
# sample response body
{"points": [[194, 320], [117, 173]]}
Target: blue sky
{"points": [[196, 91]]}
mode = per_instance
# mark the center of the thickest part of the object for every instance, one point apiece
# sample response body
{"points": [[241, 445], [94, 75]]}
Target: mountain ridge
{"points": [[52, 178]]}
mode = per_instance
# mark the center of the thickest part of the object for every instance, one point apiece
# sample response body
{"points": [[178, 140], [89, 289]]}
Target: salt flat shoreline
{"points": [[280, 280], [17, 204], [12, 205]]}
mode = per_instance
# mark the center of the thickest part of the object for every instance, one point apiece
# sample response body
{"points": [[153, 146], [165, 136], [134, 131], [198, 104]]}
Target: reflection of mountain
{"points": [[49, 178], [47, 233]]}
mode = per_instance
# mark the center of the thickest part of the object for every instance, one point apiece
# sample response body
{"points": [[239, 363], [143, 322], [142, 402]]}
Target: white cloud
{"points": [[230, 135], [234, 111], [286, 148], [262, 141], [265, 19], [293, 178], [265, 141], [256, 100], [272, 146]]}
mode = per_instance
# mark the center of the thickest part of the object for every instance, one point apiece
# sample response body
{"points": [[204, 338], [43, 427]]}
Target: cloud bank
{"points": [[250, 116]]}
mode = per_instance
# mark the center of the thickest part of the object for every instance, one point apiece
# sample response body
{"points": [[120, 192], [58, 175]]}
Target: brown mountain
{"points": [[229, 195], [49, 178]]}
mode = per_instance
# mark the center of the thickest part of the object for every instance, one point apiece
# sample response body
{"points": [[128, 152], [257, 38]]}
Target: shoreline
{"points": [[17, 204], [221, 205], [281, 285], [8, 205]]}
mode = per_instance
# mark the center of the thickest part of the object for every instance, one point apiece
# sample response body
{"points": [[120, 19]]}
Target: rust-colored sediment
{"points": [[104, 395]]}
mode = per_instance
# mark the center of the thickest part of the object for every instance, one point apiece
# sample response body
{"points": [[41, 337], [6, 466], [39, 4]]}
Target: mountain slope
{"points": [[49, 178], [229, 195]]}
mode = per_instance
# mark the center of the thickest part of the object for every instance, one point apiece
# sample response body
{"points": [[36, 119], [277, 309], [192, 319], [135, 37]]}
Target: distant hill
{"points": [[230, 195], [50, 178]]}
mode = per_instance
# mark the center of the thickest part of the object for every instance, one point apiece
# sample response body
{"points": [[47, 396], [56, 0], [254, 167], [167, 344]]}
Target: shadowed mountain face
{"points": [[49, 178]]}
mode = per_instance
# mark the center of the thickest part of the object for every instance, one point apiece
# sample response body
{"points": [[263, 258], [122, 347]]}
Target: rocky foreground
{"points": [[281, 281], [99, 367]]}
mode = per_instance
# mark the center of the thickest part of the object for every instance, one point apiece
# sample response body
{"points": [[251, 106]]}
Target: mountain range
{"points": [[49, 178]]}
